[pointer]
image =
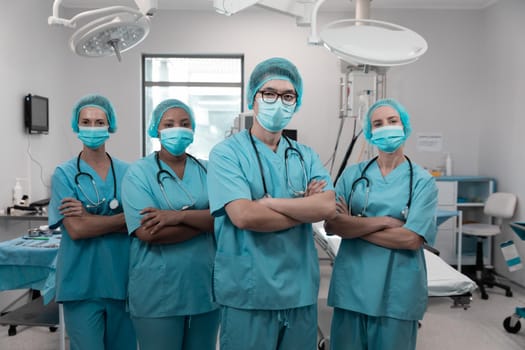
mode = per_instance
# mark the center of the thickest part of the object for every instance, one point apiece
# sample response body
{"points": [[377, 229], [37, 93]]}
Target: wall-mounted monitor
{"points": [[36, 113]]}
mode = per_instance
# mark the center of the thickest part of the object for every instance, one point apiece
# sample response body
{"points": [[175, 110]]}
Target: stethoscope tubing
{"points": [[290, 148], [366, 180], [98, 202], [162, 171]]}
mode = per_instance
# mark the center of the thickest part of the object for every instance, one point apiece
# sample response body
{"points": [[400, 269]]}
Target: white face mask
{"points": [[275, 116]]}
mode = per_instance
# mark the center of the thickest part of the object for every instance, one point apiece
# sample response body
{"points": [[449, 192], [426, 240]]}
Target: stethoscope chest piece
{"points": [[113, 204]]}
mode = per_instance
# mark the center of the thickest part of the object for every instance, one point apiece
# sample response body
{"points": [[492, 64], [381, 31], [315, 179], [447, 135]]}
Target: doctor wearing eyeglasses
{"points": [[265, 191], [167, 212], [92, 263], [386, 211]]}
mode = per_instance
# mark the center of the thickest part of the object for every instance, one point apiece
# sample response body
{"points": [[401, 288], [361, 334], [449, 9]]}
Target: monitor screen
{"points": [[37, 114]]}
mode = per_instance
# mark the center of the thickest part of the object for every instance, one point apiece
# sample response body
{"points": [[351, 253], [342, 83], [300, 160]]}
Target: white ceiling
{"points": [[328, 5]]}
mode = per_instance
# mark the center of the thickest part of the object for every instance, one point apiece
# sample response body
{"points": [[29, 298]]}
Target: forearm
{"points": [[168, 234], [89, 226], [253, 216], [348, 226], [395, 238], [316, 207], [198, 219]]}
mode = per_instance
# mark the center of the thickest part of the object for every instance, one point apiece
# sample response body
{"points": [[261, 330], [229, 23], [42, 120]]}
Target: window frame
{"points": [[145, 84]]}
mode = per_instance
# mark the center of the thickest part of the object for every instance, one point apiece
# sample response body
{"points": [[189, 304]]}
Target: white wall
{"points": [[447, 91]]}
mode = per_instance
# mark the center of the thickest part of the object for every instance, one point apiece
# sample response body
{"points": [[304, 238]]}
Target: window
{"points": [[211, 85]]}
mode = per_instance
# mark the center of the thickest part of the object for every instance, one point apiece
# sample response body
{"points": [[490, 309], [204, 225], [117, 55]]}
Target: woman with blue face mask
{"points": [[385, 212], [167, 213], [92, 263], [265, 191]]}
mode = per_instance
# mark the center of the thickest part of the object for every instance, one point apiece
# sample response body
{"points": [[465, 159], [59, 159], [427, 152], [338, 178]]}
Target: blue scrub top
{"points": [[379, 281], [93, 267], [255, 270], [168, 279]]}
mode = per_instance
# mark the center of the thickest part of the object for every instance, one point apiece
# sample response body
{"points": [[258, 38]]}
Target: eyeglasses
{"points": [[287, 98]]}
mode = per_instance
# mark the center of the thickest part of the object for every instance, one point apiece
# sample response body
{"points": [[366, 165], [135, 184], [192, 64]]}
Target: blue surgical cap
{"points": [[390, 102], [159, 111], [97, 101], [275, 68]]}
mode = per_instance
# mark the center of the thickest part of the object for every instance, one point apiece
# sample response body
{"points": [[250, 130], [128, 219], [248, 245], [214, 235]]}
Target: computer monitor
{"points": [[36, 114]]}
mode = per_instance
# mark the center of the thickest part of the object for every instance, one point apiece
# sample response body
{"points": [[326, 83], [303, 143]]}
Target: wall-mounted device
{"points": [[36, 114], [243, 121]]}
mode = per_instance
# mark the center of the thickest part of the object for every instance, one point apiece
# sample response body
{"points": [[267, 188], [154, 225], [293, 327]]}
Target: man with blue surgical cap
{"points": [[167, 213], [265, 191], [92, 264], [385, 212]]}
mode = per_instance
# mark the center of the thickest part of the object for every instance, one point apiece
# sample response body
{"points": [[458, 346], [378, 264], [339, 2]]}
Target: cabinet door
{"points": [[447, 194], [446, 237], [446, 234]]}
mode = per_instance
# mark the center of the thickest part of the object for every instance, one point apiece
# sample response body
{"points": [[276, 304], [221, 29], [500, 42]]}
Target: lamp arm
{"points": [[314, 38], [71, 23]]}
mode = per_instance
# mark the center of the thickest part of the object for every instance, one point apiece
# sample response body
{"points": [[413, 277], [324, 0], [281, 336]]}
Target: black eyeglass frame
{"points": [[277, 96]]}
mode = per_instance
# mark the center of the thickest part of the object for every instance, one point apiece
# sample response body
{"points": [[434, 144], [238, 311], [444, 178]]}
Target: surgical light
{"points": [[119, 29], [370, 42], [359, 41]]}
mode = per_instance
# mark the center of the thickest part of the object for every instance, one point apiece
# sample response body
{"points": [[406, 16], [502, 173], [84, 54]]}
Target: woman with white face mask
{"points": [[92, 264], [385, 212], [167, 213]]}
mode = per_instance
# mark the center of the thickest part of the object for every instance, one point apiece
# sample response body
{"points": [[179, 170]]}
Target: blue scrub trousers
{"points": [[356, 331], [290, 329], [99, 324], [195, 332]]}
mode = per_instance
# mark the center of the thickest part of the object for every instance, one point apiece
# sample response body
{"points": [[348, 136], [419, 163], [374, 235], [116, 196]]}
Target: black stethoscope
{"points": [[113, 204], [167, 174], [289, 149], [366, 181]]}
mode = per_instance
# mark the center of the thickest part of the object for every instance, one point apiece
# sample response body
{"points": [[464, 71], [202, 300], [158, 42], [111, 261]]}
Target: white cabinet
{"points": [[466, 194]]}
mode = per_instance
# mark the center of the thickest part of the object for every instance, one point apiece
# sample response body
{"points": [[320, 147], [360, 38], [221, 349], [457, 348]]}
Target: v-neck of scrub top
{"points": [[273, 167], [165, 166], [98, 179], [399, 171], [265, 150]]}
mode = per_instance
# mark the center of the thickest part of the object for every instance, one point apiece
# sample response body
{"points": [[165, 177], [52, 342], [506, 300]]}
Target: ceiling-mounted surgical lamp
{"points": [[362, 41], [111, 31], [359, 41], [370, 42]]}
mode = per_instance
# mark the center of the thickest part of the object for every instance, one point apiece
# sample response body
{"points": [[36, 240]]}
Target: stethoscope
{"points": [[166, 174], [290, 149], [113, 204], [366, 181]]}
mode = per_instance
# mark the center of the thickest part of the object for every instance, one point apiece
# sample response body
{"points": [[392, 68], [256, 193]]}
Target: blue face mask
{"points": [[93, 136], [274, 116], [176, 140], [388, 138]]}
